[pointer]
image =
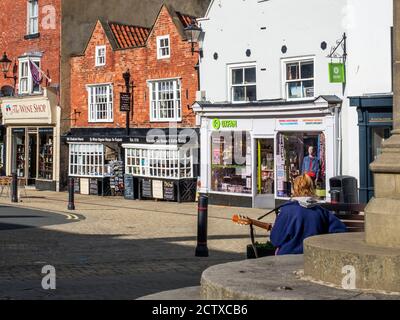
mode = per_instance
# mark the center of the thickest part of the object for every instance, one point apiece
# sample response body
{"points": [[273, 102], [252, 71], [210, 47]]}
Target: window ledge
{"points": [[32, 36], [166, 120], [308, 99], [28, 95], [102, 121]]}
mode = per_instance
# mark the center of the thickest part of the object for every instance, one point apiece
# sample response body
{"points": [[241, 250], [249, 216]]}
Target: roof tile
{"points": [[127, 36]]}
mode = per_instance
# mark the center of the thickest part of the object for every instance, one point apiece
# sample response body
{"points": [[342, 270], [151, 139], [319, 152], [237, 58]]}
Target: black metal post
{"points": [[127, 78], [71, 194], [14, 188], [202, 249]]}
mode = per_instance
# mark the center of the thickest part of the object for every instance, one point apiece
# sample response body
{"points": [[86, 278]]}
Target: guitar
{"points": [[246, 221]]}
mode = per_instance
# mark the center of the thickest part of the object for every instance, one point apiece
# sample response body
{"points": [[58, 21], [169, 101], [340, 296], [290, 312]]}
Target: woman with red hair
{"points": [[302, 218]]}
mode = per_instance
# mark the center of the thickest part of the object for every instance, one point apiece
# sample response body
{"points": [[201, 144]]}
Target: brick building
{"points": [[30, 115], [35, 115], [155, 149]]}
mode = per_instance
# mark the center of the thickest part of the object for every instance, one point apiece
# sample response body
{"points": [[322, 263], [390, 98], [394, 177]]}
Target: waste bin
{"points": [[346, 187]]}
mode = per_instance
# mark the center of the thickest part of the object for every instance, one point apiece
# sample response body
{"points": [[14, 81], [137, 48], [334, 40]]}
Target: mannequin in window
{"points": [[311, 164]]}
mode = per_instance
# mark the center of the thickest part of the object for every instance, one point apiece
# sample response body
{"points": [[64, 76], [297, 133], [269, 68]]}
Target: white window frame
{"points": [[160, 162], [160, 48], [32, 23], [98, 62], [92, 105], [89, 160], [230, 68], [28, 77], [155, 110], [285, 88]]}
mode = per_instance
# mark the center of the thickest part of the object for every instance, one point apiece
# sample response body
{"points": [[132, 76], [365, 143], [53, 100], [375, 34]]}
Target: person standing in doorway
{"points": [[311, 164]]}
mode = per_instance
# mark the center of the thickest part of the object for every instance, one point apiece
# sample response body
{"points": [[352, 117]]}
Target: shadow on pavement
{"points": [[91, 266]]}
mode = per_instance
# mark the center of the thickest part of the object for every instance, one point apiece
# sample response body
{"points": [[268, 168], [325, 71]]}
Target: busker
{"points": [[302, 218]]}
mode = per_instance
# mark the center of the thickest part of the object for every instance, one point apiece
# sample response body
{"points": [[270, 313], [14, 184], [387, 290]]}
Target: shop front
{"points": [[2, 150], [147, 164], [251, 155], [375, 121], [32, 143]]}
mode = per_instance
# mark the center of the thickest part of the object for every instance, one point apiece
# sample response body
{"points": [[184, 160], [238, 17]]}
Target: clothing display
{"points": [[311, 166]]}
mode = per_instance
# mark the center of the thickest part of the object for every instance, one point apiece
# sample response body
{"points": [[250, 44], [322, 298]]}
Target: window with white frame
{"points": [[100, 98], [26, 82], [100, 56], [243, 84], [33, 17], [159, 162], [165, 100], [86, 160], [163, 47], [299, 79]]}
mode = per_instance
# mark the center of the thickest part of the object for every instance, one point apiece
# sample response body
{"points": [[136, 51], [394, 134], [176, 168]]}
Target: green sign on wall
{"points": [[337, 73], [224, 124]]}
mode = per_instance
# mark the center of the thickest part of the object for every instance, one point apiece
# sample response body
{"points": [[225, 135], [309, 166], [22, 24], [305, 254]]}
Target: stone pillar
{"points": [[382, 225]]}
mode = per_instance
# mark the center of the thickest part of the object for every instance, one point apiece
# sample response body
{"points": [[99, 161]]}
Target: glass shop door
{"points": [[265, 173]]}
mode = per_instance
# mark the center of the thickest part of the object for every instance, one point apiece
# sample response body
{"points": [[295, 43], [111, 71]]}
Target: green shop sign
{"points": [[224, 124], [337, 73]]}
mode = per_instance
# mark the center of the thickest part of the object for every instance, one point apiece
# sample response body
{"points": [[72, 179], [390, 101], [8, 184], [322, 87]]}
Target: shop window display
{"points": [[114, 169], [231, 170], [160, 163], [265, 166], [2, 158], [297, 154], [19, 153], [46, 153], [86, 160]]}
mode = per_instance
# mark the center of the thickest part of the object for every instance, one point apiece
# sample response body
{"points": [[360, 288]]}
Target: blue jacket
{"points": [[296, 223], [314, 167]]}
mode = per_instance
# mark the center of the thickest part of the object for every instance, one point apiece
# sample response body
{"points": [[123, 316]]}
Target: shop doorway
{"points": [[32, 159], [265, 173]]}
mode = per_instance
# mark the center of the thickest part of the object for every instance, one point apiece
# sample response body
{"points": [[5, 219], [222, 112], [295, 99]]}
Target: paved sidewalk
{"points": [[117, 249]]}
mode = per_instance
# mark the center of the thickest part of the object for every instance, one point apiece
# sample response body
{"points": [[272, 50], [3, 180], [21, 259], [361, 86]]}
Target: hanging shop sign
{"points": [[337, 73], [125, 102], [218, 124]]}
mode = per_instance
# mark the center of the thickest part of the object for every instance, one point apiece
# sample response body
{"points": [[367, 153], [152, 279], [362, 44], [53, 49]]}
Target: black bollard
{"points": [[71, 191], [202, 249], [14, 188]]}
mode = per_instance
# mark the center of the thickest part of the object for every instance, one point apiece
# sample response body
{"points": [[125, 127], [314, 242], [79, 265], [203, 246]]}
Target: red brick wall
{"points": [[13, 28], [143, 65]]}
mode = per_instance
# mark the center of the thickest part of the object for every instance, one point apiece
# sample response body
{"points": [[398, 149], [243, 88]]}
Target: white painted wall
{"points": [[233, 26]]}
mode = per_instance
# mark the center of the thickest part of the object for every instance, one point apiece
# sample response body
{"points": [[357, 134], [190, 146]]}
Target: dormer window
{"points": [[100, 56], [163, 47]]}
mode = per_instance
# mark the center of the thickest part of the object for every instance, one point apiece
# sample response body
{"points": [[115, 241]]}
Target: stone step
{"points": [[327, 257], [190, 293], [271, 278]]}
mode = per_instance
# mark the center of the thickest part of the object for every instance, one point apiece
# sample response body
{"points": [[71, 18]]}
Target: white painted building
{"points": [[265, 71]]}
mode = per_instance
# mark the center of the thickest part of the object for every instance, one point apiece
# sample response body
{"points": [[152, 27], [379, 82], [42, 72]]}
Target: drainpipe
{"points": [[339, 137]]}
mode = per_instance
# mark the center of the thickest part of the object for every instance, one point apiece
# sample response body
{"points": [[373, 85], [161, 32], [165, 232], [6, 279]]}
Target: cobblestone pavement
{"points": [[115, 248]]}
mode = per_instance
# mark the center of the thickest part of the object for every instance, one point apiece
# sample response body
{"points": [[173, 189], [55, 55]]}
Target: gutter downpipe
{"points": [[339, 141]]}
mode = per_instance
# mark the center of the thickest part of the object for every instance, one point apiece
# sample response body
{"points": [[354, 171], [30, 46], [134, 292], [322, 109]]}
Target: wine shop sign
{"points": [[33, 111]]}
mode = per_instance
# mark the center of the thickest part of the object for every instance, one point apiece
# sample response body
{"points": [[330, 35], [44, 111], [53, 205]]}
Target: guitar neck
{"points": [[260, 224]]}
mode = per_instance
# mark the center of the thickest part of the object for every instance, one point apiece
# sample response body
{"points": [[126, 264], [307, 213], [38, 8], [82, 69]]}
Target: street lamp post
{"points": [[5, 64], [127, 78]]}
